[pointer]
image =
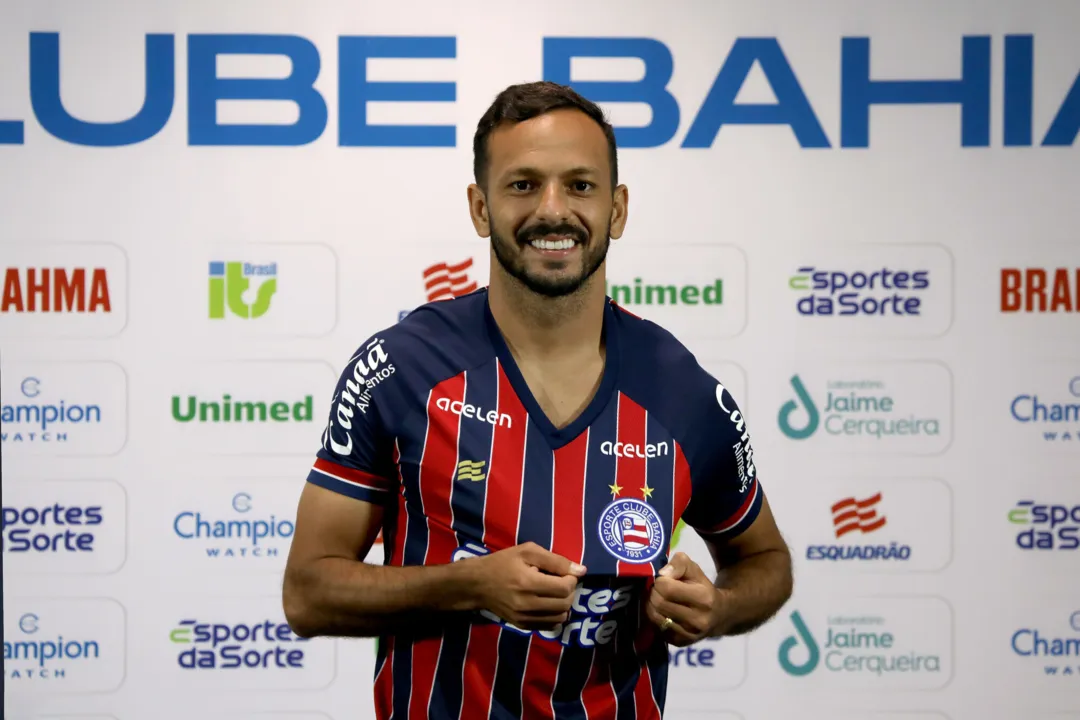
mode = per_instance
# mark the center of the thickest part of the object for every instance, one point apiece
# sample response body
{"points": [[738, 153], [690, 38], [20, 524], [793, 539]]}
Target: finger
{"points": [[677, 566], [539, 622], [692, 621], [550, 586], [545, 606], [684, 593], [675, 633], [549, 562]]}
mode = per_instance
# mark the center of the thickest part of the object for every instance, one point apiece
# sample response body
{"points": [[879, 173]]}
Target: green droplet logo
{"points": [[813, 652], [791, 406]]}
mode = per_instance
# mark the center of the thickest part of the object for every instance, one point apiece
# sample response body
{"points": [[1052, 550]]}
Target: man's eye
{"points": [[521, 185], [582, 186]]}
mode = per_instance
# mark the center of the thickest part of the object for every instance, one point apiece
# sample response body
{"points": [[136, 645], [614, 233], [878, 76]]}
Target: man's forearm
{"points": [[752, 591], [347, 598]]}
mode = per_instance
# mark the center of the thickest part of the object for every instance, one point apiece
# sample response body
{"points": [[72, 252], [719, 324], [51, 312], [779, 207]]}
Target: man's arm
{"points": [[753, 582], [753, 576], [329, 590]]}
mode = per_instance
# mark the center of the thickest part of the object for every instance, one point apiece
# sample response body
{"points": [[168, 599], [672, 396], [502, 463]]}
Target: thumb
{"points": [[678, 566]]}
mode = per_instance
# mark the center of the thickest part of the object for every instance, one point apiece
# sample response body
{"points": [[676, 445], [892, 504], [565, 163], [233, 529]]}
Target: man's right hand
{"points": [[527, 586]]}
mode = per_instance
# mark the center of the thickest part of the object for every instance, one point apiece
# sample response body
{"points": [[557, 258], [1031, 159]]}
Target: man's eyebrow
{"points": [[533, 172]]}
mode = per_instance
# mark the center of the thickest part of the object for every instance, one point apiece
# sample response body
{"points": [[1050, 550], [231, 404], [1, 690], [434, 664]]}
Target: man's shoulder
{"points": [[655, 358], [663, 375], [433, 342]]}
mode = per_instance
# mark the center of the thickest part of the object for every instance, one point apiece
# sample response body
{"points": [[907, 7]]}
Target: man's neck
{"points": [[543, 328]]}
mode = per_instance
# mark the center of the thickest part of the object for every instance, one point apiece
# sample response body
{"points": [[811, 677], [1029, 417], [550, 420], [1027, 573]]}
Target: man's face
{"points": [[550, 201]]}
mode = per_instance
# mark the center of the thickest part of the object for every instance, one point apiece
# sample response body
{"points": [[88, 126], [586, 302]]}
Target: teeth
{"points": [[564, 244]]}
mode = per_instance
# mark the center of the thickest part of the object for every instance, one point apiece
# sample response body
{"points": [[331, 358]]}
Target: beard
{"points": [[510, 254]]}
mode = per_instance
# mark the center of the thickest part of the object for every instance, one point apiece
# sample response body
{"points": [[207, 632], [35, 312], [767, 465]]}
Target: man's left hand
{"points": [[683, 593]]}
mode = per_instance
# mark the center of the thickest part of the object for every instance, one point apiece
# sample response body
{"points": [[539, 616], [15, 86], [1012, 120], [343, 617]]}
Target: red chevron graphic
{"points": [[851, 515]]}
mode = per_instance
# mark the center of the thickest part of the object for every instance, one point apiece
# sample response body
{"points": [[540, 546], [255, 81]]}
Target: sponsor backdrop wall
{"points": [[861, 217]]}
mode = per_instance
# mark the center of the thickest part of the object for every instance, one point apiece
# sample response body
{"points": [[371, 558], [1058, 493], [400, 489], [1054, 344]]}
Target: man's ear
{"points": [[478, 210]]}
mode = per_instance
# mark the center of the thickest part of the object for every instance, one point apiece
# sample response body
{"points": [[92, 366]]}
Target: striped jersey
{"points": [[432, 419]]}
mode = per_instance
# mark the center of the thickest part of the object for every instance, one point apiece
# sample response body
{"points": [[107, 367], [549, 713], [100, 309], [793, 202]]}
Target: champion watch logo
{"points": [[851, 515], [631, 531], [443, 281]]}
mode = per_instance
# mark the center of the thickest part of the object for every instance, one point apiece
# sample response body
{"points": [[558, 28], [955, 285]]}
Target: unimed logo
{"points": [[230, 410], [1040, 290]]}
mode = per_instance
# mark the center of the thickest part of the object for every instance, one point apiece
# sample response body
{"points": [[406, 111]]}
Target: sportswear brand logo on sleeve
{"points": [[620, 449], [464, 409], [371, 366], [631, 531], [229, 281], [443, 281]]}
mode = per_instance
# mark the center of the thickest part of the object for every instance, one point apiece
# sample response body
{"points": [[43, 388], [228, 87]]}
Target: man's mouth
{"points": [[553, 242]]}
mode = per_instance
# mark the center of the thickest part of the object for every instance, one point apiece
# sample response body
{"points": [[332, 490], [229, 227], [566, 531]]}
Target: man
{"points": [[527, 451]]}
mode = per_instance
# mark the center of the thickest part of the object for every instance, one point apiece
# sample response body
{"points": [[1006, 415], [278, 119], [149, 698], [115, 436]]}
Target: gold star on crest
{"points": [[615, 489], [646, 492]]}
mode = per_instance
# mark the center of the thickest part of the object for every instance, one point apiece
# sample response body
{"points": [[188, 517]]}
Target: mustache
{"points": [[527, 235]]}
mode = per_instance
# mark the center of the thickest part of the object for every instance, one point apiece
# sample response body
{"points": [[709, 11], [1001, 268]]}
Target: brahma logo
{"points": [[1040, 290], [63, 290], [56, 290], [443, 281]]}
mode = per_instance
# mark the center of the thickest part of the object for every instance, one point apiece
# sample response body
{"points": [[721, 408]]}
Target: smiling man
{"points": [[527, 451]]}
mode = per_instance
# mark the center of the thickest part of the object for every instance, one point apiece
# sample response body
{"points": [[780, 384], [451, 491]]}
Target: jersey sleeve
{"points": [[357, 455], [725, 496]]}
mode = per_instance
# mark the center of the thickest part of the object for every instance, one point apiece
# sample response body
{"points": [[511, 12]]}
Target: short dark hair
{"points": [[525, 101]]}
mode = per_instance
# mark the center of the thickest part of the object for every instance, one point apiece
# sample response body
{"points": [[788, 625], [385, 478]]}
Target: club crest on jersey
{"points": [[631, 531]]}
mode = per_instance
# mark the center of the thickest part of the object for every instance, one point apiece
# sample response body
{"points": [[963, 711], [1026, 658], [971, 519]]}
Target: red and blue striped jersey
{"points": [[432, 419]]}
